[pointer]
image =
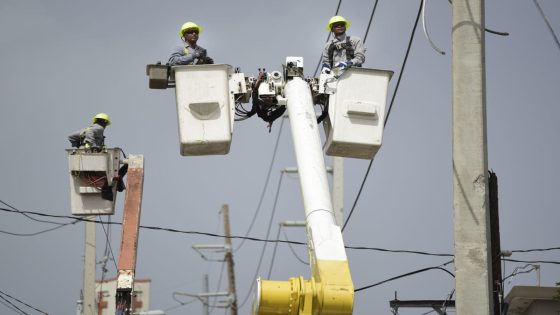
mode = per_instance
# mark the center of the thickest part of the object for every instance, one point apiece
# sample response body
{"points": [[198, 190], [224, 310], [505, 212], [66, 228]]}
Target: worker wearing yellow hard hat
{"points": [[190, 53], [91, 138], [342, 51]]}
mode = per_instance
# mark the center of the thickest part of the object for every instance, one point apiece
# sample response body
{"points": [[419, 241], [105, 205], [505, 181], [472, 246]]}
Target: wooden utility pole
{"points": [[229, 261], [473, 262]]}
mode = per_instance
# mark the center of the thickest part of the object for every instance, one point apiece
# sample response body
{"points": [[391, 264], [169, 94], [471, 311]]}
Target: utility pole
{"points": [[205, 300], [473, 263], [229, 261], [88, 304]]}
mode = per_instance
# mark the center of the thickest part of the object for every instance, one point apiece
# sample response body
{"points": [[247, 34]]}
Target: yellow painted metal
{"points": [[329, 292]]}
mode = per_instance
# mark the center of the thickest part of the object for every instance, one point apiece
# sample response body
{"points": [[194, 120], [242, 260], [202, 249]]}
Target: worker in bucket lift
{"points": [[342, 51], [190, 53], [91, 138]]}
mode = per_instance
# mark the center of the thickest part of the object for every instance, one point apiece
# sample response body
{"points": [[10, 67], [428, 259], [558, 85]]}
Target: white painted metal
{"points": [[324, 235], [205, 108], [357, 113], [86, 199]]}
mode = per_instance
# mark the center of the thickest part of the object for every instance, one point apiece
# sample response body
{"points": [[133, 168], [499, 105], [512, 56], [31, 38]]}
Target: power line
{"points": [[12, 306], [20, 301], [370, 19], [255, 239], [40, 232], [264, 187], [440, 267], [534, 261], [292, 250], [547, 24], [29, 217], [266, 243], [108, 242], [388, 112]]}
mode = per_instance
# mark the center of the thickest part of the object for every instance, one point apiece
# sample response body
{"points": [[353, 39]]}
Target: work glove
{"points": [[326, 69], [209, 61], [344, 65], [88, 146]]}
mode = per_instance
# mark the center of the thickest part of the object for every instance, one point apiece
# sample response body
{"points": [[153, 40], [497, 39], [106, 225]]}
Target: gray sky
{"points": [[63, 61]]}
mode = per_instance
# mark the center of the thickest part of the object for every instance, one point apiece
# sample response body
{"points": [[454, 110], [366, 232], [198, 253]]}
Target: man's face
{"points": [[338, 28], [191, 35]]}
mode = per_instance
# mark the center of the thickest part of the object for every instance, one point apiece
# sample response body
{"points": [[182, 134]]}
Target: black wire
{"points": [[535, 250], [8, 305], [265, 186], [408, 274], [278, 240], [328, 37], [274, 253], [20, 301], [293, 251], [535, 261], [265, 244], [547, 23], [27, 216], [40, 232], [14, 308], [108, 242], [486, 29], [388, 112], [370, 19]]}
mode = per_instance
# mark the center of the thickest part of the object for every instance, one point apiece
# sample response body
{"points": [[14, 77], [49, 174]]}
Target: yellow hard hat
{"points": [[102, 116], [336, 19], [188, 25]]}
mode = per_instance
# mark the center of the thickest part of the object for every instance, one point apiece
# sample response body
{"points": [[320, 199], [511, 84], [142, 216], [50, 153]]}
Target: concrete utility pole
{"points": [[229, 261], [205, 300], [88, 304], [473, 264]]}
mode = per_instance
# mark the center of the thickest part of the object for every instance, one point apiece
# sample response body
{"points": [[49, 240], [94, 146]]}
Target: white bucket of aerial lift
{"points": [[86, 175], [357, 102], [205, 107]]}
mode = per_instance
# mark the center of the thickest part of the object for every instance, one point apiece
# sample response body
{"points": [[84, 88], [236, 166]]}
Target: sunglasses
{"points": [[190, 31], [341, 24]]}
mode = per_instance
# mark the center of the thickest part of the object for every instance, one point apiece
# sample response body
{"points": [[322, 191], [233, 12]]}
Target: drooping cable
{"points": [[426, 31], [388, 112], [274, 252], [29, 217], [255, 239], [293, 251], [40, 232], [264, 187], [370, 20], [265, 244], [487, 29], [439, 267], [12, 306], [20, 301], [328, 37], [547, 24], [108, 241]]}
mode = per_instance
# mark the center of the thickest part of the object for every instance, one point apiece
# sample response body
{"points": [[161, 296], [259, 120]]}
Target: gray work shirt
{"points": [[339, 55], [92, 135], [186, 55]]}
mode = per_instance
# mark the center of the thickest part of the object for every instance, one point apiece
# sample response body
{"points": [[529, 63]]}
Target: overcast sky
{"points": [[62, 61]]}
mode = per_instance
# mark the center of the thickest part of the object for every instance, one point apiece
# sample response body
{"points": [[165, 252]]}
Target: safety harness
{"points": [[340, 46]]}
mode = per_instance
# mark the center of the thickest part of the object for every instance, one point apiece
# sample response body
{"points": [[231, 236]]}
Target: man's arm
{"points": [[359, 52]]}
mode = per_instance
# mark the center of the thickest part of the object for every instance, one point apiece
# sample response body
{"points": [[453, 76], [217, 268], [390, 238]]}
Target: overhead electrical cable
{"points": [[370, 19], [156, 228], [29, 217], [292, 249], [266, 243], [547, 24], [21, 302], [388, 113], [108, 241], [439, 267], [11, 306], [274, 252], [426, 31], [264, 187]]}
